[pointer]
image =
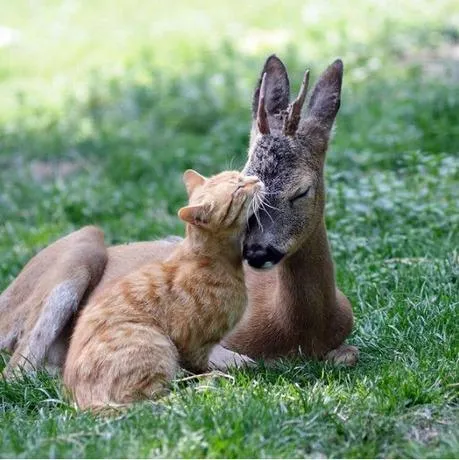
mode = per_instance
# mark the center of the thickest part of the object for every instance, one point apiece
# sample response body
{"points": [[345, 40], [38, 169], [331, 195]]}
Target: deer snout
{"points": [[261, 257]]}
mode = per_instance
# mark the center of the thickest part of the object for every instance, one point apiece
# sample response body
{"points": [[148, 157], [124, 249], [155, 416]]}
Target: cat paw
{"points": [[344, 355], [223, 359]]}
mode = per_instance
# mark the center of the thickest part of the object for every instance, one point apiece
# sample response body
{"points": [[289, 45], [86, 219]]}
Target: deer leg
{"points": [[346, 355], [39, 304], [57, 310], [223, 359]]}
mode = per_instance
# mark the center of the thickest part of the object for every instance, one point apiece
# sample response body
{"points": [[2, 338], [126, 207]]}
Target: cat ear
{"points": [[195, 215], [192, 179]]}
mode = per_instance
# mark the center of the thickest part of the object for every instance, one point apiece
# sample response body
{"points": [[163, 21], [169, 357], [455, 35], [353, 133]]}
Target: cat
{"points": [[129, 344]]}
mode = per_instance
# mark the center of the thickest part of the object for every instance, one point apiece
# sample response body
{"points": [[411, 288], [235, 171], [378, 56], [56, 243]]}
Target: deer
{"points": [[294, 306]]}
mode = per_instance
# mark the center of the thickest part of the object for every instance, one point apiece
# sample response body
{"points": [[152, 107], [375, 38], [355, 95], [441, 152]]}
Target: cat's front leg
{"points": [[196, 361], [223, 359]]}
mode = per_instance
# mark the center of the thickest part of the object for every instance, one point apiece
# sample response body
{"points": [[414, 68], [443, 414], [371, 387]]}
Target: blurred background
{"points": [[105, 103]]}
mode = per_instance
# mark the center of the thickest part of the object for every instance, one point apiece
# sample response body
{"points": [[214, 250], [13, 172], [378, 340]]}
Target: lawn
{"points": [[105, 104]]}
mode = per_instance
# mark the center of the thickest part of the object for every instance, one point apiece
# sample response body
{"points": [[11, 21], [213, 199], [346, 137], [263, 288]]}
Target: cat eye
{"points": [[300, 195], [238, 187]]}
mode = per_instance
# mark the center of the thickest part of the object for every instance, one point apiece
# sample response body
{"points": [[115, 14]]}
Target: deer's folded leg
{"points": [[223, 359], [38, 305]]}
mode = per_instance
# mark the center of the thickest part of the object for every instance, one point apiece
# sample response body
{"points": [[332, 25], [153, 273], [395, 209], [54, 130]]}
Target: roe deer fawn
{"points": [[294, 307]]}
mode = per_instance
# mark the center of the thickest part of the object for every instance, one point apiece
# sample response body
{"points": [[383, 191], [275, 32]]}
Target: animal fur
{"points": [[129, 342], [294, 308]]}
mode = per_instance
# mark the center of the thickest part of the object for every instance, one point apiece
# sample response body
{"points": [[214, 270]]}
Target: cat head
{"points": [[223, 202]]}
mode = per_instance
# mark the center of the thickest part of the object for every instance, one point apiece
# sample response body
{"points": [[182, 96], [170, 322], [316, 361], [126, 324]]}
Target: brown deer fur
{"points": [[293, 308]]}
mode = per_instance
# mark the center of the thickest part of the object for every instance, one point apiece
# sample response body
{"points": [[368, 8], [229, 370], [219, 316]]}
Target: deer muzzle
{"points": [[261, 257]]}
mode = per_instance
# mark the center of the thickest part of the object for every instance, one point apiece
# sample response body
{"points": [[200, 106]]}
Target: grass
{"points": [[130, 96]]}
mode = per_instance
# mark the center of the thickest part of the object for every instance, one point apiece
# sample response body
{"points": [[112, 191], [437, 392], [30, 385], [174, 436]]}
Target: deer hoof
{"points": [[344, 355], [223, 359]]}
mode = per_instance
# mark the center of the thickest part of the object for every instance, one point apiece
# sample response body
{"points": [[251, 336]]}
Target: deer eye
{"points": [[300, 195]]}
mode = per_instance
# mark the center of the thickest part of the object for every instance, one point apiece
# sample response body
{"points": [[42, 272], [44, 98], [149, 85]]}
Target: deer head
{"points": [[287, 153]]}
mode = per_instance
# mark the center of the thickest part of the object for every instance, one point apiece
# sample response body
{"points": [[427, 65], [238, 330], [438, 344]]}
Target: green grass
{"points": [[134, 94]]}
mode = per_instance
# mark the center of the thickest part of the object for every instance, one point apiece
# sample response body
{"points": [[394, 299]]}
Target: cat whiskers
{"points": [[264, 194], [255, 206], [264, 205]]}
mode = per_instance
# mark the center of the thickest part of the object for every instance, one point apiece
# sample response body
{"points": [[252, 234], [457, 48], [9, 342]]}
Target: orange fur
{"points": [[129, 342]]}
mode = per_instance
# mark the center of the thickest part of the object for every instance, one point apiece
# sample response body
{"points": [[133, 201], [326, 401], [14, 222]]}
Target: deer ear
{"points": [[326, 95], [192, 179], [195, 215], [277, 90]]}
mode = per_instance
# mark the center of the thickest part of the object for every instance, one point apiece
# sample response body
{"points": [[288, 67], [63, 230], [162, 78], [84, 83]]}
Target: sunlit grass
{"points": [[53, 45]]}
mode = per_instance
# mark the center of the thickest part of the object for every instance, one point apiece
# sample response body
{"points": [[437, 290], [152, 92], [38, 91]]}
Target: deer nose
{"points": [[262, 257]]}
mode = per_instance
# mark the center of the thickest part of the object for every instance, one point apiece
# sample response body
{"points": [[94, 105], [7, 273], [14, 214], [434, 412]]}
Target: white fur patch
{"points": [[222, 359]]}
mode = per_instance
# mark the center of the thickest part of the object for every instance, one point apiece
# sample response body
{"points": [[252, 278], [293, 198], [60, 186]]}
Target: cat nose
{"points": [[253, 181], [261, 257]]}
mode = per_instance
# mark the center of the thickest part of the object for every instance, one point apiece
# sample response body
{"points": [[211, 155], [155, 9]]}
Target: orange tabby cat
{"points": [[127, 345]]}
